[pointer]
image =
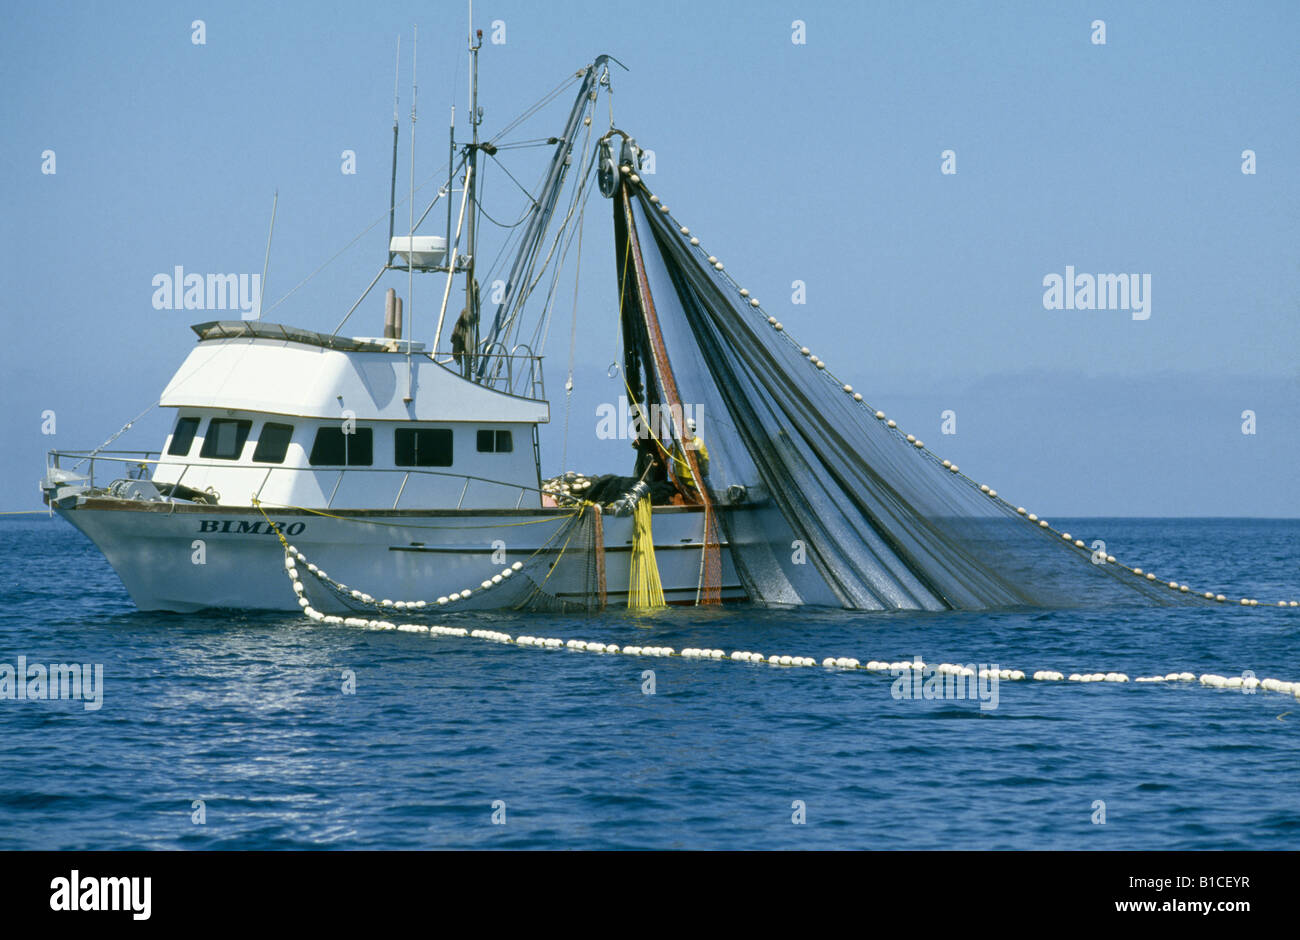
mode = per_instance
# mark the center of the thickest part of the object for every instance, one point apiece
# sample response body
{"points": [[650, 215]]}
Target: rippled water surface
{"points": [[247, 713]]}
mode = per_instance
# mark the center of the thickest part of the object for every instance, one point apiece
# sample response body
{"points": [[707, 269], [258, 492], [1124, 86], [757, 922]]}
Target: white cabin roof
{"points": [[265, 367]]}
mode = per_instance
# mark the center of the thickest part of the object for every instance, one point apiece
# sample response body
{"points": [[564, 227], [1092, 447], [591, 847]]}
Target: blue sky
{"points": [[817, 162]]}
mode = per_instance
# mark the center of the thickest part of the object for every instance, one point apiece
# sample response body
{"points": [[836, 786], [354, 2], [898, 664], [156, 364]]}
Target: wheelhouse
{"points": [[294, 418]]}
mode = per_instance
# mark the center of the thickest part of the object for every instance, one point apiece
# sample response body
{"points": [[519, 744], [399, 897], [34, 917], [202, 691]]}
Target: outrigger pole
{"points": [[545, 206]]}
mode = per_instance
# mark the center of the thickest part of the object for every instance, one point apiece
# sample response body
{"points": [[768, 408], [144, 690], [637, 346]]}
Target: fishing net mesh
{"points": [[568, 575], [820, 501]]}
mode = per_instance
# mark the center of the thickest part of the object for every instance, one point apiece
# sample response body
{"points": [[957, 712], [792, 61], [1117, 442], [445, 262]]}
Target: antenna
{"points": [[451, 165], [392, 190], [410, 244], [266, 263], [397, 72]]}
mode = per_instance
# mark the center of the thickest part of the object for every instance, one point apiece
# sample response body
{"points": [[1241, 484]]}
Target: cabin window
{"points": [[495, 442], [225, 438], [334, 448], [422, 447], [273, 443], [183, 437]]}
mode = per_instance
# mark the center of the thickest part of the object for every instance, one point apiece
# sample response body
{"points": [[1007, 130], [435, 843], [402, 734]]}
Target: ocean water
{"points": [[247, 713]]}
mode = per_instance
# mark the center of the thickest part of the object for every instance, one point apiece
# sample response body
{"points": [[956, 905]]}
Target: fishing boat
{"points": [[412, 471], [408, 476]]}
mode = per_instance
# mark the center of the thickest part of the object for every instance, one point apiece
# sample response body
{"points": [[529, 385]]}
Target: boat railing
{"points": [[136, 466], [136, 461], [517, 371]]}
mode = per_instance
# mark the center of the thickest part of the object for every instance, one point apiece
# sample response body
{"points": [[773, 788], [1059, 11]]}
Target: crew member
{"points": [[464, 334], [460, 342], [682, 465]]}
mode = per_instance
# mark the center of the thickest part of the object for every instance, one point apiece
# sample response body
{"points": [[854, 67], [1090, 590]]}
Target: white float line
{"points": [[292, 557], [897, 667]]}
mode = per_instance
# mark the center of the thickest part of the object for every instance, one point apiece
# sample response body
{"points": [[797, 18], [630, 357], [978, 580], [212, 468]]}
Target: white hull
{"points": [[399, 555]]}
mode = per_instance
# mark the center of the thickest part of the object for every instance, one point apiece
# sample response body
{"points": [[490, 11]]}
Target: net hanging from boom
{"points": [[820, 501]]}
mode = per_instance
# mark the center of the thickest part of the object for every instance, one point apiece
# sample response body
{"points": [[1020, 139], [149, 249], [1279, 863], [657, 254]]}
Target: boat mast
{"points": [[475, 118]]}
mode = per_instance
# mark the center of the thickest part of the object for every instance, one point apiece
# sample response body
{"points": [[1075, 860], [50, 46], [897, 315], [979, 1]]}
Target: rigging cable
{"points": [[122, 430], [528, 289], [360, 235], [529, 256], [516, 182], [578, 198], [573, 342], [542, 332], [538, 105], [581, 192], [437, 174]]}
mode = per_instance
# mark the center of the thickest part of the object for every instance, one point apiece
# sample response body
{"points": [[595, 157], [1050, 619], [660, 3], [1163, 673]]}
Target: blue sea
{"points": [[459, 743]]}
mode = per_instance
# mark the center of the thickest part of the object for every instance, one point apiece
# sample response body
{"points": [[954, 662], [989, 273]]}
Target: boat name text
{"points": [[243, 527]]}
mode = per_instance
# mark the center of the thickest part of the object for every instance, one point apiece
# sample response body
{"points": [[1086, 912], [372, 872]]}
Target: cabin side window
{"points": [[422, 447], [183, 437], [333, 448], [225, 438], [495, 442], [273, 443]]}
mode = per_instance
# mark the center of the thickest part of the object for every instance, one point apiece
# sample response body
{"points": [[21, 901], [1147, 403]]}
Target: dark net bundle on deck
{"points": [[878, 523]]}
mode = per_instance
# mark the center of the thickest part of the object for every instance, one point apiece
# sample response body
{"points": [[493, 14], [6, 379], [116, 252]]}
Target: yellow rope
{"points": [[645, 423], [645, 589], [283, 542]]}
